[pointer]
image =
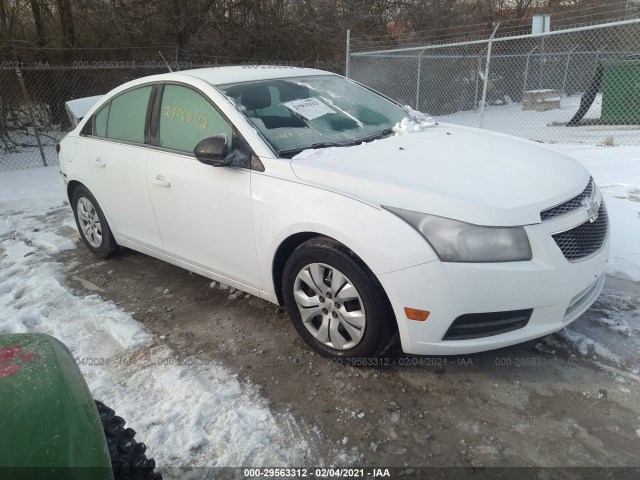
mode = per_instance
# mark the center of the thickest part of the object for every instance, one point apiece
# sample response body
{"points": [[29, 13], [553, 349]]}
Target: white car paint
{"points": [[218, 228], [460, 175], [227, 223], [123, 187]]}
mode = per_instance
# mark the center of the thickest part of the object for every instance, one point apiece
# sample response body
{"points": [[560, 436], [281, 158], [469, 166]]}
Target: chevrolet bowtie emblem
{"points": [[592, 209]]}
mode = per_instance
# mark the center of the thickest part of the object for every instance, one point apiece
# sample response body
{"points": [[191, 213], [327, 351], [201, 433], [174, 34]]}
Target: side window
{"points": [[100, 119], [186, 117], [127, 115]]}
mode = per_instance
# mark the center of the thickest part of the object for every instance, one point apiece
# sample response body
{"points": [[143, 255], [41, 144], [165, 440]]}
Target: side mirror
{"points": [[213, 150]]}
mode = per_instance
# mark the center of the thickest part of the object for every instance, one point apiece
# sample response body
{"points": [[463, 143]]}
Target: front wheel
{"points": [[335, 302]]}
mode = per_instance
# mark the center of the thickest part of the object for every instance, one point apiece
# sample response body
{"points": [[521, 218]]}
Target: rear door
{"points": [[203, 212], [117, 157]]}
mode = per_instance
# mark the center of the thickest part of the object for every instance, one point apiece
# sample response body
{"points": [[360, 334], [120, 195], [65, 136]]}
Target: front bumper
{"points": [[557, 290]]}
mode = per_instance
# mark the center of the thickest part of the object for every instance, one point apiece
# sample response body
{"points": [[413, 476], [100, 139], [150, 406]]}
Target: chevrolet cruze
{"points": [[302, 187]]}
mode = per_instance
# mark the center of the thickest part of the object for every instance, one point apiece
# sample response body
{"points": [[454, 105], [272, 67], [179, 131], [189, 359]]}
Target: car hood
{"points": [[451, 171]]}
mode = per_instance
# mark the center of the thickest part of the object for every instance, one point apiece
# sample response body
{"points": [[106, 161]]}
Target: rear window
{"points": [[100, 122], [127, 115]]}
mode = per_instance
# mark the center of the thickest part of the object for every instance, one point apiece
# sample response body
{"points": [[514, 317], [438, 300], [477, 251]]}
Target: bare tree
{"points": [[38, 23], [67, 27], [3, 20]]}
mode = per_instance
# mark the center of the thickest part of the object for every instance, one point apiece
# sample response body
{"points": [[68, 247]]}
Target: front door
{"points": [[203, 212]]}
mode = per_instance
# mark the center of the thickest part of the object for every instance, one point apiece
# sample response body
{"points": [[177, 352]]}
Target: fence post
{"points": [[475, 98], [526, 71], [486, 76], [566, 70], [31, 115], [595, 68], [348, 52], [418, 82]]}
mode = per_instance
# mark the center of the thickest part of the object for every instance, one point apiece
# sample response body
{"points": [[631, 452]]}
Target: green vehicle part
{"points": [[49, 423], [621, 92]]}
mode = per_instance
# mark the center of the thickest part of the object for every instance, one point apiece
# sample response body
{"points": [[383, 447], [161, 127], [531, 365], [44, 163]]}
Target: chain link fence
{"points": [[579, 85], [37, 111], [33, 116]]}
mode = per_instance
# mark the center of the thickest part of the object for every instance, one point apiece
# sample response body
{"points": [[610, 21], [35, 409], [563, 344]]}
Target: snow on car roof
{"points": [[249, 73]]}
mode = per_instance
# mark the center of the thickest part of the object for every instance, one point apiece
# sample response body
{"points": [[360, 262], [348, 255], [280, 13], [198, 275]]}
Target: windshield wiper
{"points": [[314, 146], [329, 144], [384, 133]]}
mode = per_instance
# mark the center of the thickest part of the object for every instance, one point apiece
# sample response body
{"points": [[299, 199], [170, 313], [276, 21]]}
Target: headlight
{"points": [[456, 241]]}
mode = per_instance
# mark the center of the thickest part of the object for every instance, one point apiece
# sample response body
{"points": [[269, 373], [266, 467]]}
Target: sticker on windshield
{"points": [[309, 108]]}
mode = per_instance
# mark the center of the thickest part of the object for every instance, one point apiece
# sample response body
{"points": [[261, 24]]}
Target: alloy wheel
{"points": [[89, 222], [330, 306]]}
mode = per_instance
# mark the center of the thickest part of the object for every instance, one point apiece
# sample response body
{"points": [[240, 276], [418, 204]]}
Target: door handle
{"points": [[99, 163], [160, 181]]}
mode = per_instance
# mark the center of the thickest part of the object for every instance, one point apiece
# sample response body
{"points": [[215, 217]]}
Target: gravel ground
{"points": [[571, 400]]}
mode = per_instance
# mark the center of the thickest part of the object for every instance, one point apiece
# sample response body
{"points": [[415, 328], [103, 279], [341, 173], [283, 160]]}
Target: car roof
{"points": [[249, 73]]}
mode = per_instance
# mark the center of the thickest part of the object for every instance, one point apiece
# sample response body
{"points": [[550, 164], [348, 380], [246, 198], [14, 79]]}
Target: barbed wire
{"points": [[12, 44], [442, 35]]}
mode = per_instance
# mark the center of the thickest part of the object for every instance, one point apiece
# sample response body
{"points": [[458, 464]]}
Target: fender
{"points": [[382, 240], [48, 417]]}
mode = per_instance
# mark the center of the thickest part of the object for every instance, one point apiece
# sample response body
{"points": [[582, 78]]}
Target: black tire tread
{"points": [[388, 326], [109, 245], [128, 459]]}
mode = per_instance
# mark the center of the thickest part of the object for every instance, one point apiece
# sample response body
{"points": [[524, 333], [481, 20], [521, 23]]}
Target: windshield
{"points": [[294, 114]]}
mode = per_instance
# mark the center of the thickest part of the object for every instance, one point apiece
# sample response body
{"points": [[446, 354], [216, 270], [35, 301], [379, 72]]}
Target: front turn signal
{"points": [[415, 314]]}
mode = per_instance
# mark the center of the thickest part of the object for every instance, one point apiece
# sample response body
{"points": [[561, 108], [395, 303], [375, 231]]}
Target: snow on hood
{"points": [[451, 171], [414, 122], [319, 152]]}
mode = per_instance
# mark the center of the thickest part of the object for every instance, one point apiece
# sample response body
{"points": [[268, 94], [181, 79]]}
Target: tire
{"points": [[92, 224], [315, 262], [128, 460]]}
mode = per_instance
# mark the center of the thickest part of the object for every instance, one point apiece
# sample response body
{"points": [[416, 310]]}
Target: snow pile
{"points": [[607, 334], [189, 412], [194, 412], [414, 122], [586, 346], [33, 296], [32, 188]]}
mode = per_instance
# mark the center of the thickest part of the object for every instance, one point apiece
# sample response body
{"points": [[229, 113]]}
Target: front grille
{"points": [[478, 325], [570, 205], [585, 239]]}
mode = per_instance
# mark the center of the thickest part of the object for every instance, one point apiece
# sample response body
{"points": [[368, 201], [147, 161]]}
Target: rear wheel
{"points": [[335, 303], [92, 224]]}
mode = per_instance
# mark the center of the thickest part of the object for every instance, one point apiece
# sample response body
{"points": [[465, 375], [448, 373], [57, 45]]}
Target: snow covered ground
{"points": [[190, 412], [27, 154], [549, 126]]}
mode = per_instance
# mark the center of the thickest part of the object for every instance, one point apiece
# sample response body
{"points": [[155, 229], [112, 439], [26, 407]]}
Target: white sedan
{"points": [[302, 187]]}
